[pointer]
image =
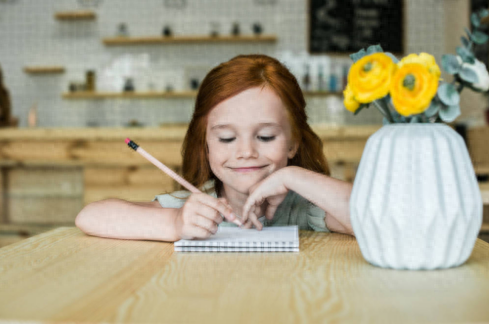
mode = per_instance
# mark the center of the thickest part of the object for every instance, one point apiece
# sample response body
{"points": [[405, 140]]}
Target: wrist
{"points": [[288, 176], [177, 225]]}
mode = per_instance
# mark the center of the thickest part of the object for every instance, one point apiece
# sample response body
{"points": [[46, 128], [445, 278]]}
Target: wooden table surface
{"points": [[64, 275]]}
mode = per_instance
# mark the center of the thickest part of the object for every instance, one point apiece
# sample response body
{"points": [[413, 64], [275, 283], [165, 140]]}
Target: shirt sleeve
{"points": [[316, 217], [169, 201]]}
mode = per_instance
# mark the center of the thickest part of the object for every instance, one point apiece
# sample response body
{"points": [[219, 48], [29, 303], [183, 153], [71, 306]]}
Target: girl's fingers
{"points": [[205, 223], [220, 207], [198, 232], [255, 221], [247, 225]]}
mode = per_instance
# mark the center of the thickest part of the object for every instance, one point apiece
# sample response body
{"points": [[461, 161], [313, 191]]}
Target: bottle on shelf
{"points": [[321, 81], [344, 80], [128, 85], [306, 79], [235, 31], [333, 81], [122, 30], [90, 80]]}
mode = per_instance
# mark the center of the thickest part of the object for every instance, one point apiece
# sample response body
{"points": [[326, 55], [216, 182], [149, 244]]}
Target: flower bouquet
{"points": [[415, 202]]}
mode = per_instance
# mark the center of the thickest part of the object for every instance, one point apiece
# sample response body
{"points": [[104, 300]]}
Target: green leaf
{"points": [[467, 31], [450, 63], [474, 18], [483, 13], [360, 108], [465, 42], [415, 119], [466, 55], [385, 121], [394, 59], [374, 49], [358, 55], [479, 37], [448, 94], [432, 109], [468, 75], [449, 113]]}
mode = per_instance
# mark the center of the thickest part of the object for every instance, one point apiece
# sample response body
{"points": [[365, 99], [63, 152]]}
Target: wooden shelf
{"points": [[75, 15], [484, 188], [44, 69], [128, 95], [149, 95], [484, 228], [187, 39]]}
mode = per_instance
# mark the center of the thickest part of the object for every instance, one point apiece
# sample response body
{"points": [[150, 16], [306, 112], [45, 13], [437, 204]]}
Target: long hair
{"points": [[229, 79]]}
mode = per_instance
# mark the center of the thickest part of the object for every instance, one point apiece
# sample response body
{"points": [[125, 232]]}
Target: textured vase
{"points": [[415, 202]]}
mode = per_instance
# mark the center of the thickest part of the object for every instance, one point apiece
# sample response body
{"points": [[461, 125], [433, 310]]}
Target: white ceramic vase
{"points": [[415, 202]]}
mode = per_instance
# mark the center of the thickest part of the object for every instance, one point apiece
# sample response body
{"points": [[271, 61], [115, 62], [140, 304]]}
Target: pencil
{"points": [[167, 170]]}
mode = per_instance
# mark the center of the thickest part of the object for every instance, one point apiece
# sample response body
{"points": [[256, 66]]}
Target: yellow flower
{"points": [[370, 77], [412, 88], [350, 103], [423, 58]]}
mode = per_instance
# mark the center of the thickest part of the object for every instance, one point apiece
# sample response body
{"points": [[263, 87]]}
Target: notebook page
{"points": [[273, 236]]}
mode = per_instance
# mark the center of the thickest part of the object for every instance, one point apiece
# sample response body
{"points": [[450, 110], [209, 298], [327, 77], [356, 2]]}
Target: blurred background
{"points": [[79, 76]]}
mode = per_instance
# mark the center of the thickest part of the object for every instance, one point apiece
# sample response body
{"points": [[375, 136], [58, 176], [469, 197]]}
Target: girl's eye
{"points": [[263, 138]]}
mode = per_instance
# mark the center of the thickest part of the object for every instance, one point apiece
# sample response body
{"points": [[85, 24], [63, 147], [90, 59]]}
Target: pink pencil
{"points": [[167, 170]]}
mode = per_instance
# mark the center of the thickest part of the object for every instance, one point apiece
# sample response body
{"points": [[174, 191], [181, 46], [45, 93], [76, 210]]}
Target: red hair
{"points": [[221, 84]]}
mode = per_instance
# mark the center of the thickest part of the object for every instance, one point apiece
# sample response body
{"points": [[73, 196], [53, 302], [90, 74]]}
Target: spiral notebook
{"points": [[235, 239]]}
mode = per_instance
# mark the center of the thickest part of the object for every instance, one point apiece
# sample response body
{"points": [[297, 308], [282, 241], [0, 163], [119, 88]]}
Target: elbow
{"points": [[82, 220]]}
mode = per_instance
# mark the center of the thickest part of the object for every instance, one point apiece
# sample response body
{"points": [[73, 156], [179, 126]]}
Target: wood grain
{"points": [[64, 275]]}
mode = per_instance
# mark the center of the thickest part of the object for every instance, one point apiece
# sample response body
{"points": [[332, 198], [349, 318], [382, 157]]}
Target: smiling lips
{"points": [[248, 169]]}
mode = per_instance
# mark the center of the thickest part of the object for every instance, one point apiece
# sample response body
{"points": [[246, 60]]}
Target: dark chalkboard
{"points": [[347, 26]]}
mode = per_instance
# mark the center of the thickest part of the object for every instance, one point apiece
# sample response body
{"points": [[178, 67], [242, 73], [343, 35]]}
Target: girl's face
{"points": [[249, 130]]}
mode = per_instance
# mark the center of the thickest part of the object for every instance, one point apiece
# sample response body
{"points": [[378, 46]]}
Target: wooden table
{"points": [[64, 275]]}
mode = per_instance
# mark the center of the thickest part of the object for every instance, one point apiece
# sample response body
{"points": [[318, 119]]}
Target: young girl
{"points": [[250, 150]]}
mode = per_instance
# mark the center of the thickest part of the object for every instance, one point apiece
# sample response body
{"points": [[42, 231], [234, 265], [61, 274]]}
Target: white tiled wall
{"points": [[29, 35]]}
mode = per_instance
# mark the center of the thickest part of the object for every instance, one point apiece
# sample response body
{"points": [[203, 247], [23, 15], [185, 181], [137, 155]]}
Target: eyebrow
{"points": [[230, 126]]}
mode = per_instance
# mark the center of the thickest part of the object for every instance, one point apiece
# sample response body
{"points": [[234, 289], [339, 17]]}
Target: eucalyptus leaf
{"points": [[474, 18], [450, 64], [415, 119], [466, 55], [374, 49], [479, 37], [385, 121], [358, 55], [360, 108], [468, 75], [448, 94], [432, 109], [394, 59], [467, 31], [483, 13], [449, 113], [465, 42]]}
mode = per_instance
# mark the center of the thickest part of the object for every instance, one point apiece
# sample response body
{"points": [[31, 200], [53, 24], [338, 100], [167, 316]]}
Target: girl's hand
{"points": [[200, 216], [271, 191]]}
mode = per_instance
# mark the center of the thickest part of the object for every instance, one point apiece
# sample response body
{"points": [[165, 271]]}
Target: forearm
{"points": [[329, 194], [121, 219]]}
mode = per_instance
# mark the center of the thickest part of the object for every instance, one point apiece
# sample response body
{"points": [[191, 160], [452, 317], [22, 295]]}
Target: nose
{"points": [[246, 149]]}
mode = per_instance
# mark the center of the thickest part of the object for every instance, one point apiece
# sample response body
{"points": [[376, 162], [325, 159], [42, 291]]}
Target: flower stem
{"points": [[384, 111]]}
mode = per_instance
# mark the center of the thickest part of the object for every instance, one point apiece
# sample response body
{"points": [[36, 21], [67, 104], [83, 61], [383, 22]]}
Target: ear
{"points": [[292, 150]]}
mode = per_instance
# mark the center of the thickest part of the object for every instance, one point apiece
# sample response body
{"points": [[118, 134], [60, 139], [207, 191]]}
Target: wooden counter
{"points": [[48, 175], [66, 276]]}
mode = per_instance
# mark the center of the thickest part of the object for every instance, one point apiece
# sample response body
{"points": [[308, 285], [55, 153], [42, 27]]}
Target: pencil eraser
{"points": [[127, 140]]}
